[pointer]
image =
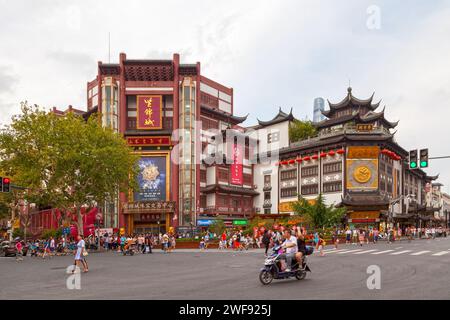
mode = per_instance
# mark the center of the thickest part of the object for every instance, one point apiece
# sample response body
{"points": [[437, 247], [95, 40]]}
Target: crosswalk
{"points": [[391, 252]]}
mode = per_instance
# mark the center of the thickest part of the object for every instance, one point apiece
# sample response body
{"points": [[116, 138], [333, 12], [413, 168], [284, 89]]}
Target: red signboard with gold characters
{"points": [[149, 112], [149, 141]]}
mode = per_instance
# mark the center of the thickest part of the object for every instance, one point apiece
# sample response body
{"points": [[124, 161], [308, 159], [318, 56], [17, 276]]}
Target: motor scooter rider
{"points": [[290, 244]]}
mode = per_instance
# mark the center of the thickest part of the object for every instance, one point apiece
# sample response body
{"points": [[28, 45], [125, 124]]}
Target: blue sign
{"points": [[152, 179], [205, 222]]}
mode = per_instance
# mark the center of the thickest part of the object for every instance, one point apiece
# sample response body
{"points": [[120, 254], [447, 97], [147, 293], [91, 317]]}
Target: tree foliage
{"points": [[300, 130], [65, 161], [218, 227], [318, 214]]}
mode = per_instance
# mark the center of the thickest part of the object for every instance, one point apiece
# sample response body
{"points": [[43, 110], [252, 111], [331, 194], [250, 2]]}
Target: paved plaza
{"points": [[415, 270]]}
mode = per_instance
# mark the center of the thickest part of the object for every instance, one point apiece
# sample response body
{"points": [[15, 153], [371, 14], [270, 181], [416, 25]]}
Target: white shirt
{"points": [[293, 240]]}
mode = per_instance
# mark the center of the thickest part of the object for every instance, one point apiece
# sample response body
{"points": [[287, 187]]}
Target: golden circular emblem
{"points": [[362, 174]]}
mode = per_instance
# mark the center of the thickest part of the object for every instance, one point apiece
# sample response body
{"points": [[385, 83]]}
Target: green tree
{"points": [[218, 227], [66, 162], [300, 130], [318, 215]]}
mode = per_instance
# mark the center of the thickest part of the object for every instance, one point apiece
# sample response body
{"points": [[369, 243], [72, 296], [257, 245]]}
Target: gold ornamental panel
{"points": [[363, 152], [362, 174]]}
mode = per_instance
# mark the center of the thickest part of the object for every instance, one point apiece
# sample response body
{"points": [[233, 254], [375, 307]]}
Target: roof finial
{"points": [[349, 89]]}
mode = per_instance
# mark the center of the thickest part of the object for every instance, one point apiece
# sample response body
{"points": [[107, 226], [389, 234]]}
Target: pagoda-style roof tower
{"points": [[357, 111]]}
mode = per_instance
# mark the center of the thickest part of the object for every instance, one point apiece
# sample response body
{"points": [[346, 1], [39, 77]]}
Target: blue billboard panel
{"points": [[152, 179]]}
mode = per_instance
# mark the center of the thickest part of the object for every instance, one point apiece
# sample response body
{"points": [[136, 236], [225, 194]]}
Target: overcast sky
{"points": [[273, 53]]}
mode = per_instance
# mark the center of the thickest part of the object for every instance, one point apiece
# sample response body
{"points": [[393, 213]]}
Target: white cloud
{"points": [[273, 53]]}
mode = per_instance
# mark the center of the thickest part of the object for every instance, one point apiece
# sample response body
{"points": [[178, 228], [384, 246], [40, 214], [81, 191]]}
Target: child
{"points": [[320, 244]]}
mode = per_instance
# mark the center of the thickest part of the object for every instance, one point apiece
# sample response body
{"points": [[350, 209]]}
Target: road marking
{"points": [[419, 253], [400, 252], [440, 253], [367, 251], [334, 251], [385, 251], [349, 251]]}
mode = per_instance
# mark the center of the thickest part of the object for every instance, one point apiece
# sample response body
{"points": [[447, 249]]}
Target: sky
{"points": [[273, 53]]}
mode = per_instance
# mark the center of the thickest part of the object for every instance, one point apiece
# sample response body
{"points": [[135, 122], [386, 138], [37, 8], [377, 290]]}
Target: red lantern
{"points": [[292, 161], [323, 155], [307, 158], [331, 153], [340, 151], [299, 159], [284, 162], [315, 157]]}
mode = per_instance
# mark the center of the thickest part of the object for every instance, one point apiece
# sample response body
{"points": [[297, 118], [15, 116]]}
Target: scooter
{"points": [[272, 267]]}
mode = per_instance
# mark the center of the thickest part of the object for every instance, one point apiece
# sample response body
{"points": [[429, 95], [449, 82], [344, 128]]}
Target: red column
{"points": [[122, 127], [198, 148], [173, 167]]}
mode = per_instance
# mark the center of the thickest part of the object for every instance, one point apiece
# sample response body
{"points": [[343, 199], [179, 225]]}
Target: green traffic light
{"points": [[413, 164], [424, 164]]}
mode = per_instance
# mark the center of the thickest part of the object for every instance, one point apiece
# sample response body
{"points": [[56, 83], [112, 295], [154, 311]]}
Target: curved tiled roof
{"points": [[351, 100], [280, 117]]}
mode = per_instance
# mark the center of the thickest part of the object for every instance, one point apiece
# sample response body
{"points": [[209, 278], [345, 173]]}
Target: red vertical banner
{"points": [[236, 167], [149, 112]]}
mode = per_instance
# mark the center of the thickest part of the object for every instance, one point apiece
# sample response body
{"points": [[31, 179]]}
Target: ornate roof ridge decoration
{"points": [[147, 61], [280, 117], [228, 189], [435, 177], [109, 68], [350, 99], [235, 119], [365, 200]]}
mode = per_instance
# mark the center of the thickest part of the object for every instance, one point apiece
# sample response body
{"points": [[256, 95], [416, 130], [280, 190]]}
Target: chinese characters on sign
{"points": [[236, 167], [364, 127], [149, 112], [149, 141]]}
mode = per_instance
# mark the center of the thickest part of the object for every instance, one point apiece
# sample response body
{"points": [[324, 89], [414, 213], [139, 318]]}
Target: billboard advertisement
{"points": [[236, 166], [152, 179], [149, 112]]}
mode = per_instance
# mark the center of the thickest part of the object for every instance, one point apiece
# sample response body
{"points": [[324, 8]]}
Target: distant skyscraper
{"points": [[319, 106]]}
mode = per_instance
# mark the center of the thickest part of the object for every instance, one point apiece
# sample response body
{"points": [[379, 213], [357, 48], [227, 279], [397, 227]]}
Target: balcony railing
{"points": [[227, 210]]}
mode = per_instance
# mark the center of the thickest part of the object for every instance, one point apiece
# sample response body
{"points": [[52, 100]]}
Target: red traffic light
{"points": [[6, 180]]}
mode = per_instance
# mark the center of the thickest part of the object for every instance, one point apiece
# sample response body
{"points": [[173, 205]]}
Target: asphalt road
{"points": [[416, 270]]}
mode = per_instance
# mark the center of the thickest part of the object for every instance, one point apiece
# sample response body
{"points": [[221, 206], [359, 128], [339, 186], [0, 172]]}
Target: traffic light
{"points": [[5, 184], [1, 184], [413, 159], [423, 158]]}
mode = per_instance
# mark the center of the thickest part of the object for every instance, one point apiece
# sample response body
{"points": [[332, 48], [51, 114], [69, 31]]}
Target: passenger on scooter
{"points": [[290, 244], [301, 247]]}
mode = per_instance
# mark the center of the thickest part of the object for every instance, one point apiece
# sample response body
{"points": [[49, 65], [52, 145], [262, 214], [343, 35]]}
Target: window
{"points": [[267, 179], [273, 137], [266, 195], [310, 171], [288, 174], [332, 167], [332, 187], [266, 211], [311, 189], [203, 175], [248, 179], [223, 175], [288, 192]]}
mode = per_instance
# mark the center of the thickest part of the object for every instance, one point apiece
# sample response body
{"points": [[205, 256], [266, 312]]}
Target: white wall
{"points": [[210, 175]]}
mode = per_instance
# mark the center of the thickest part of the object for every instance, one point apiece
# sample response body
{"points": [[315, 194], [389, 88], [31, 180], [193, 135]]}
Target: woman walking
{"points": [[80, 255]]}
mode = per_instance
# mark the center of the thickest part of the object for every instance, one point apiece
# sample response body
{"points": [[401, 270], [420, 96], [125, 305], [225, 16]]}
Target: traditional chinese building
{"points": [[354, 161], [160, 105]]}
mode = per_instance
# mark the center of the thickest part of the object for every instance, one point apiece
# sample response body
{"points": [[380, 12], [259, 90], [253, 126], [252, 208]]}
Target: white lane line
{"points": [[349, 251], [419, 253], [335, 251], [385, 251], [440, 253], [367, 251], [400, 252]]}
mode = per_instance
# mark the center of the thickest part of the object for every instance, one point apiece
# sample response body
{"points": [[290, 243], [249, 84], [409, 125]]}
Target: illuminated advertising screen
{"points": [[152, 179]]}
